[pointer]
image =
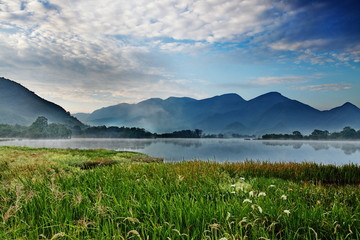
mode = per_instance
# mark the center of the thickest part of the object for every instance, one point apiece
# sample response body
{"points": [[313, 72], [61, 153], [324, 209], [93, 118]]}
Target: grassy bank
{"points": [[100, 194]]}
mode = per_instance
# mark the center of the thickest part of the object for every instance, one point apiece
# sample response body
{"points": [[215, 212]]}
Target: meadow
{"points": [[103, 194]]}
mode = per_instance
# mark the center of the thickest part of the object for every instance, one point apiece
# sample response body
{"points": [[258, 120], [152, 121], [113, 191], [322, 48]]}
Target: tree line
{"points": [[134, 132], [38, 129], [41, 129], [347, 133]]}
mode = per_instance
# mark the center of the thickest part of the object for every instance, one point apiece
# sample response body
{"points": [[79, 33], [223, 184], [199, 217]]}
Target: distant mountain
{"points": [[229, 113], [18, 105]]}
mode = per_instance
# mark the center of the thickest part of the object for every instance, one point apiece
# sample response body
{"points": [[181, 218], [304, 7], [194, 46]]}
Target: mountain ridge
{"points": [[228, 113], [267, 113], [19, 105]]}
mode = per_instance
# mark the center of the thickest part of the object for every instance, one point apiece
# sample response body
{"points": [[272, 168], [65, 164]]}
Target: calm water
{"points": [[231, 150]]}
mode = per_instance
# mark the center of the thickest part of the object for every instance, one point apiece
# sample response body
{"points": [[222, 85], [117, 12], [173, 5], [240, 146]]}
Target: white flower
{"points": [[223, 238], [233, 192], [247, 200], [283, 197], [251, 193], [261, 194], [287, 212], [260, 209], [242, 179], [228, 216], [272, 186], [233, 185]]}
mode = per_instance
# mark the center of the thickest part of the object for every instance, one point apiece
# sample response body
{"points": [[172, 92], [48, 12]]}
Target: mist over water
{"points": [[221, 150]]}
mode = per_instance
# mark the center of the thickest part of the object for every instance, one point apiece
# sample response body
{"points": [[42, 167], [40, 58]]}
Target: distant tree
{"points": [[42, 129], [319, 134], [348, 133], [58, 131], [198, 132], [297, 135], [38, 129], [182, 134], [40, 123]]}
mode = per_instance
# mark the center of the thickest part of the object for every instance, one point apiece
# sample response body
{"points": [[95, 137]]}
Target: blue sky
{"points": [[88, 54]]}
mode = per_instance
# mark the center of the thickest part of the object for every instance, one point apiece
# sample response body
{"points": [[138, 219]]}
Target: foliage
{"points": [[125, 132], [182, 134], [38, 129], [114, 132], [187, 200], [347, 133]]}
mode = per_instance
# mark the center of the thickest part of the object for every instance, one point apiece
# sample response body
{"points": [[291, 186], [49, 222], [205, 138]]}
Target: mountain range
{"points": [[19, 105], [228, 113]]}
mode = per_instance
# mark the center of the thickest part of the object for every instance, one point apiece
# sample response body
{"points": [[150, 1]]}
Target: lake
{"points": [[221, 150]]}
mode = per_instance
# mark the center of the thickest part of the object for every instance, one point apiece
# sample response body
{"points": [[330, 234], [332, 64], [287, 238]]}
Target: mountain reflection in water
{"points": [[220, 150], [347, 147]]}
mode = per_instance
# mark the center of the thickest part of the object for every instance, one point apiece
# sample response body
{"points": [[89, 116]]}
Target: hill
{"points": [[19, 105]]}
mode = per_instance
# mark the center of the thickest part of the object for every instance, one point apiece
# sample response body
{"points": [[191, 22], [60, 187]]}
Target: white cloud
{"points": [[292, 46], [326, 87], [106, 44], [117, 46], [191, 20], [264, 81]]}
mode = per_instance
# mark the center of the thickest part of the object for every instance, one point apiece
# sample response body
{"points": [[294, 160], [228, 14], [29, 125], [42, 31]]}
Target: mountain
{"points": [[18, 105], [345, 115], [163, 115], [229, 113]]}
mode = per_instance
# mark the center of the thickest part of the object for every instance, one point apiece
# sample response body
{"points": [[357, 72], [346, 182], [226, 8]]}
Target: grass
{"points": [[49, 194]]}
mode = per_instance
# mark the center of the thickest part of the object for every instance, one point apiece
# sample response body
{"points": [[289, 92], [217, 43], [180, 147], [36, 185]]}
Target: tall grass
{"points": [[317, 173], [188, 200]]}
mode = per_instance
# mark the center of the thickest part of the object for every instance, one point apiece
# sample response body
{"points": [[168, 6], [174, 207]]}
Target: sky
{"points": [[88, 54]]}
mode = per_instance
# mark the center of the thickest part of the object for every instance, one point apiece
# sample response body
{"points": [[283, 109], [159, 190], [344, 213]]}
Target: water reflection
{"points": [[221, 150], [347, 147]]}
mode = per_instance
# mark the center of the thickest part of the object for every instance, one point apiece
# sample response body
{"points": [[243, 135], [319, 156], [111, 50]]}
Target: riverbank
{"points": [[103, 194]]}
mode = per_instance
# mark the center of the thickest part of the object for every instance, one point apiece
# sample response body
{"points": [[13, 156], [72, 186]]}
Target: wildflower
{"points": [[244, 220], [283, 197], [57, 235], [214, 226], [134, 232], [228, 216], [260, 209], [261, 194], [233, 185], [247, 200], [251, 193], [223, 238], [287, 212], [272, 186], [233, 192], [131, 219], [242, 179]]}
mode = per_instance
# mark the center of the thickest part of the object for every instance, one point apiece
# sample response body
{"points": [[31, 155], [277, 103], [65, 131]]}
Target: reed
{"points": [[187, 200]]}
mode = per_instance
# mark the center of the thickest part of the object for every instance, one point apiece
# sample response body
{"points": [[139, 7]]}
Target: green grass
{"points": [[59, 199]]}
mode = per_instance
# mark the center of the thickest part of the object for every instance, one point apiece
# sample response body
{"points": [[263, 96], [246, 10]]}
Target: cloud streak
{"points": [[326, 87]]}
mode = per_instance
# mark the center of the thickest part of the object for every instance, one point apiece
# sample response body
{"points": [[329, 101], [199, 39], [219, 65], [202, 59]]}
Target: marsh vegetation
{"points": [[51, 194]]}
